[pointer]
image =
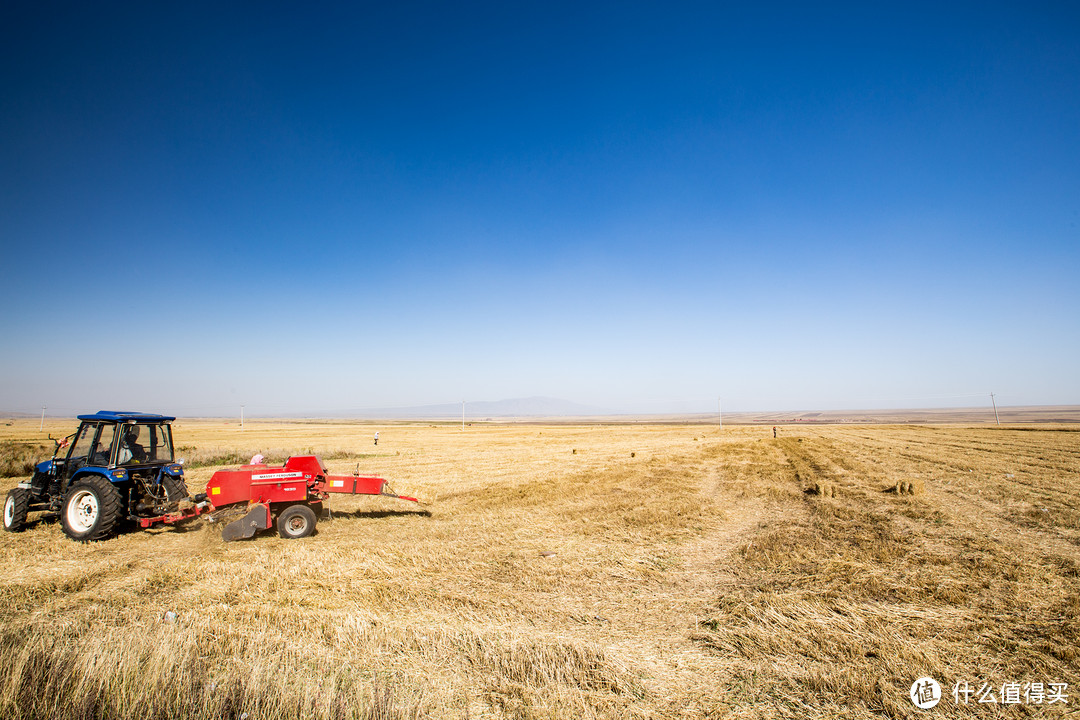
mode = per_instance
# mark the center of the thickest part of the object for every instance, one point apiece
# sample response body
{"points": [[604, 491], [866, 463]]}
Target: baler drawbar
{"points": [[293, 494]]}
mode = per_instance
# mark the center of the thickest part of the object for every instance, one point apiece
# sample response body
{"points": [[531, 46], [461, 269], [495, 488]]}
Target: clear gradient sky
{"points": [[642, 207]]}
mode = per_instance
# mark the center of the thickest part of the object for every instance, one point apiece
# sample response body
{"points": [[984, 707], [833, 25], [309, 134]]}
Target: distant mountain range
{"points": [[516, 407]]}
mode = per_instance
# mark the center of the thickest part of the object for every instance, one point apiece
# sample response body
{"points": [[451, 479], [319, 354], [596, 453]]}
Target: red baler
{"points": [[293, 494]]}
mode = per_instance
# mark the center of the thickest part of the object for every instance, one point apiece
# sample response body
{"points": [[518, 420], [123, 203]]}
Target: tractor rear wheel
{"points": [[16, 507], [91, 509], [175, 488], [296, 521]]}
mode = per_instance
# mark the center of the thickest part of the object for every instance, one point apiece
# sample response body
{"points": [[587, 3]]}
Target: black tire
{"points": [[39, 484], [91, 510], [16, 506], [296, 521], [175, 488]]}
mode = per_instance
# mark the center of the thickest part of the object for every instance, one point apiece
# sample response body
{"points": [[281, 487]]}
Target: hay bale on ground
{"points": [[822, 488], [908, 487]]}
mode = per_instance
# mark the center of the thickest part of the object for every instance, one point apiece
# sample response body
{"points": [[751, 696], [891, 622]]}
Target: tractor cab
{"points": [[116, 444], [110, 440]]}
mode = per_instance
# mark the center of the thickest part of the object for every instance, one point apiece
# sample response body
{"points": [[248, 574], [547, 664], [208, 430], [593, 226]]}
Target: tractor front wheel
{"points": [[296, 521], [91, 509], [16, 507]]}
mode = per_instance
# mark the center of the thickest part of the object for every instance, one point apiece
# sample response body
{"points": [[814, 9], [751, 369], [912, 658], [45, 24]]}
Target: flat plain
{"points": [[566, 571]]}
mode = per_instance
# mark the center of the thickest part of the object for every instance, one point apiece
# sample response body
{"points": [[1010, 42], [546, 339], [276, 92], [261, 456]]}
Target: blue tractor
{"points": [[118, 466]]}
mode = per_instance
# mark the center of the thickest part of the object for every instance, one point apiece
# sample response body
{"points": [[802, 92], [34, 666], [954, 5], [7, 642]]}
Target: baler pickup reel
{"points": [[292, 495]]}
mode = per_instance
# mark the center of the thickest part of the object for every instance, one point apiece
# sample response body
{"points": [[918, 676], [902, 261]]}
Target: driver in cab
{"points": [[130, 449]]}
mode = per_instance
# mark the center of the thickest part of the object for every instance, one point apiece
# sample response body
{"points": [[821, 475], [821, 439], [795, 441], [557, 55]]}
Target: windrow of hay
{"points": [[282, 665], [17, 458], [95, 670]]}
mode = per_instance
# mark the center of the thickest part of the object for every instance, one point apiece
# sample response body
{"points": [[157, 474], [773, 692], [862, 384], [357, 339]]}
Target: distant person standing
{"points": [[773, 432], [376, 437]]}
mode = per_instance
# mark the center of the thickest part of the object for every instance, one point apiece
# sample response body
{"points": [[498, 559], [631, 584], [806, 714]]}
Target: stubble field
{"points": [[623, 571]]}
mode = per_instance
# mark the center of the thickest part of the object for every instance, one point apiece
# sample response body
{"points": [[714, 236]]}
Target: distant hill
{"points": [[14, 414], [516, 407]]}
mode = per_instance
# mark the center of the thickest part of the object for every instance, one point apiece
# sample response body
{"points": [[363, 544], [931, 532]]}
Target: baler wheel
{"points": [[91, 509], [296, 521], [16, 507]]}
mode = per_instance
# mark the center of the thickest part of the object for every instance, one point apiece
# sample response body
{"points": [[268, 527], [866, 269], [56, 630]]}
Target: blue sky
{"points": [[636, 206]]}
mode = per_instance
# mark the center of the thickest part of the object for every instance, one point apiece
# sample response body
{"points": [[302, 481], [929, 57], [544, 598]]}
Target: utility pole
{"points": [[995, 410], [241, 417], [42, 418]]}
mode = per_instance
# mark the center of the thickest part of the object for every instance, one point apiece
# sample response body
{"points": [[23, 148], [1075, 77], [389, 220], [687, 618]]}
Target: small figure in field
{"points": [[376, 437], [774, 431], [257, 459]]}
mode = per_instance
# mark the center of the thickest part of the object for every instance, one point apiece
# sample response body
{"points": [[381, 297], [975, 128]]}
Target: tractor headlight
{"points": [[175, 469], [119, 474]]}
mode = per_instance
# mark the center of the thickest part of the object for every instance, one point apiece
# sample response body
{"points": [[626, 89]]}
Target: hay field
{"points": [[629, 571]]}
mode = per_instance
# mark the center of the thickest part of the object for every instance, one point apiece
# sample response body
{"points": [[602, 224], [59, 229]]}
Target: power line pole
{"points": [[995, 410], [42, 418], [241, 417]]}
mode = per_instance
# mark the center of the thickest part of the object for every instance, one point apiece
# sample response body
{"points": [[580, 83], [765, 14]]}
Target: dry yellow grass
{"points": [[573, 571]]}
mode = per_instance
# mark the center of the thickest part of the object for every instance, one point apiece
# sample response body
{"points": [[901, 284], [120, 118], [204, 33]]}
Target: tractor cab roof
{"points": [[120, 416]]}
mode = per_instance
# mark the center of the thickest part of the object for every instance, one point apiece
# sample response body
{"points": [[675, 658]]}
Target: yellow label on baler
{"points": [[215, 491]]}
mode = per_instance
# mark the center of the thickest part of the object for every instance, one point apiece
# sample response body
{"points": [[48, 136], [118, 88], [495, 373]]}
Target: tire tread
{"points": [[301, 509], [22, 508], [109, 509]]}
